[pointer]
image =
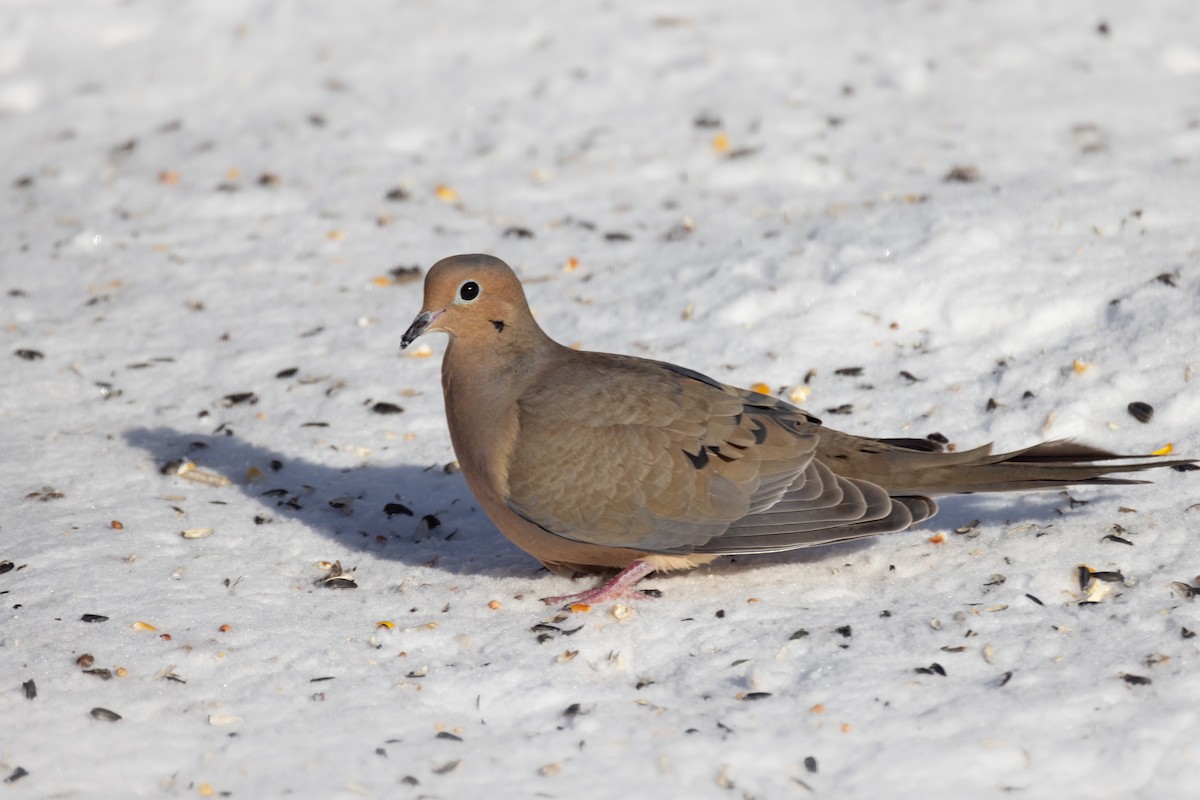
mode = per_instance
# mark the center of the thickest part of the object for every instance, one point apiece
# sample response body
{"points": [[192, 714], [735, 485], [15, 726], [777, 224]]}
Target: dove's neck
{"points": [[482, 382]]}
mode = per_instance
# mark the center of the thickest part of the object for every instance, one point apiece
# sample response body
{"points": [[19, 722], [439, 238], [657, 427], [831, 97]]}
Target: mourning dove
{"points": [[590, 461]]}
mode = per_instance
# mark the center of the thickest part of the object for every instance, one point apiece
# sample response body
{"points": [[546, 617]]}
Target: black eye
{"points": [[468, 291]]}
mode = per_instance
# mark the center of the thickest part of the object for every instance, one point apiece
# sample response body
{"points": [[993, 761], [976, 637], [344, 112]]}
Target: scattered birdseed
{"points": [[196, 533], [810, 764], [29, 355], [386, 408], [93, 618], [85, 660], [962, 173], [392, 509], [1135, 680], [30, 689], [105, 715], [16, 775], [1142, 412], [1184, 590], [336, 577]]}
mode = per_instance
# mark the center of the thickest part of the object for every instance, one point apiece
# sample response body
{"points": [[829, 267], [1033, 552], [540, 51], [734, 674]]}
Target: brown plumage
{"points": [[591, 461]]}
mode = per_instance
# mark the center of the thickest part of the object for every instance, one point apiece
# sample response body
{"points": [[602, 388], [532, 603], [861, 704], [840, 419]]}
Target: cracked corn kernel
{"points": [[761, 388]]}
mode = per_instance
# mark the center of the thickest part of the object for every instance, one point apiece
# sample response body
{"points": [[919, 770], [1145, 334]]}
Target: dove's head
{"points": [[475, 297]]}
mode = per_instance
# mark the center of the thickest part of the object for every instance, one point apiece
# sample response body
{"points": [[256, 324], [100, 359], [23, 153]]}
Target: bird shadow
{"points": [[408, 513], [425, 515]]}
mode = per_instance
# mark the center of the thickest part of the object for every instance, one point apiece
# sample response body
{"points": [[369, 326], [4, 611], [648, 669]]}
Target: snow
{"points": [[195, 201]]}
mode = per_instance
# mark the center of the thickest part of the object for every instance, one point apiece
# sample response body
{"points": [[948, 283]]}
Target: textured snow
{"points": [[195, 200]]}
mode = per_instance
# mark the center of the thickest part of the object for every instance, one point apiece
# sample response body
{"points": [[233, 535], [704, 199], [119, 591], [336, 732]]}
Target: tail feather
{"points": [[1048, 465]]}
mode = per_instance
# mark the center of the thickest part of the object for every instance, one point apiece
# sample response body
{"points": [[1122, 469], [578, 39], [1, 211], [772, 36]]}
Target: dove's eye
{"points": [[468, 291]]}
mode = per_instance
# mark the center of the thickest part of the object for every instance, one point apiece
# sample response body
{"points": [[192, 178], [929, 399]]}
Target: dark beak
{"points": [[419, 326]]}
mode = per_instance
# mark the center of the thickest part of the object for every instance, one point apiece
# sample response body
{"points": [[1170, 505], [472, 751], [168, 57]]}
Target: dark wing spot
{"points": [[499, 323], [699, 460], [759, 431], [716, 451]]}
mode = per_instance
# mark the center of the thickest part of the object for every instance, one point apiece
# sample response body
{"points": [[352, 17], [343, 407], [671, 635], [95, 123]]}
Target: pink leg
{"points": [[621, 585]]}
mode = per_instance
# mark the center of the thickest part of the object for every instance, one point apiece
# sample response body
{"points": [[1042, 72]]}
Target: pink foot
{"points": [[621, 585]]}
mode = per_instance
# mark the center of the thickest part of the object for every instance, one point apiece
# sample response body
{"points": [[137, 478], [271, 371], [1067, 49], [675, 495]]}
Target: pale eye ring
{"points": [[468, 292]]}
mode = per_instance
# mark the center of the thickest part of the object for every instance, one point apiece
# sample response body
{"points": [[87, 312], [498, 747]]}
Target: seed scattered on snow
{"points": [[1142, 412], [30, 689], [85, 660], [386, 408], [1184, 590], [1135, 680], [336, 578], [550, 770], [221, 720], [93, 618], [183, 468], [392, 509], [143, 626], [1109, 576], [810, 764], [196, 533], [105, 715], [448, 767]]}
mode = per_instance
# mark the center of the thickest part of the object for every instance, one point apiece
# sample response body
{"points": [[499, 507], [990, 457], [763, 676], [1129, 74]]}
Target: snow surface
{"points": [[195, 200]]}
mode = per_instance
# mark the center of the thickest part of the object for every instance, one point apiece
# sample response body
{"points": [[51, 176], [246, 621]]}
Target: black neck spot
{"points": [[499, 323]]}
